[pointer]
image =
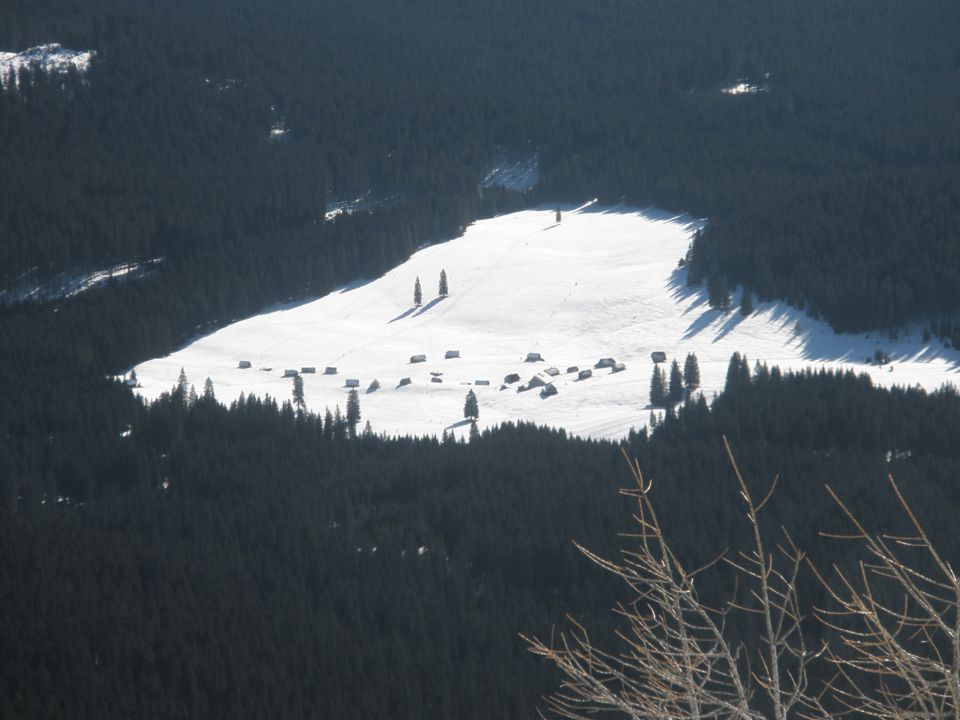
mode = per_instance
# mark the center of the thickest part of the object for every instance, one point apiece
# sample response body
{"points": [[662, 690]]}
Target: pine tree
{"points": [[691, 372], [353, 412], [208, 390], [738, 374], [298, 399], [471, 410], [676, 383], [417, 293], [658, 388], [474, 432], [444, 290], [719, 293]]}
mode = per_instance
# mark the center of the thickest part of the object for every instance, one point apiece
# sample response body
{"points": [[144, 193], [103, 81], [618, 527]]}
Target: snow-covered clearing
{"points": [[603, 282], [50, 58]]}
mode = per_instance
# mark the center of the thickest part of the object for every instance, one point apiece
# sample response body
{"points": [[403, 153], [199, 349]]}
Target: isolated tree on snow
{"points": [[417, 293], [353, 412], [558, 214], [691, 372], [444, 290], [676, 383], [658, 388], [298, 399], [471, 410]]}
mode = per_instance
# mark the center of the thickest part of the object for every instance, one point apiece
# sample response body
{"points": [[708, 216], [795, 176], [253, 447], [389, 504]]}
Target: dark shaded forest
{"points": [[835, 188], [254, 561]]}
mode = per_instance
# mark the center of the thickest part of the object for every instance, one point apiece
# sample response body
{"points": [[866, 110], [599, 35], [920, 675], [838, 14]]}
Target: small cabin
{"points": [[290, 373], [308, 370], [618, 367], [584, 374], [606, 362], [417, 359], [244, 365], [573, 369], [552, 372], [436, 373], [658, 356], [450, 354], [436, 379], [330, 370], [548, 391], [404, 381], [352, 383], [534, 357], [374, 386], [481, 382], [511, 378], [539, 380]]}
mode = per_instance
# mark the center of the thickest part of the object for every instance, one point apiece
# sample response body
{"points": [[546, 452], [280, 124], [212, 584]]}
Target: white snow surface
{"points": [[49, 58], [604, 282]]}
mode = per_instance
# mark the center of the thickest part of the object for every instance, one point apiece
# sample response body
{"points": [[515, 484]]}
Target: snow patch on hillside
{"points": [[51, 59], [603, 282], [29, 287], [517, 171]]}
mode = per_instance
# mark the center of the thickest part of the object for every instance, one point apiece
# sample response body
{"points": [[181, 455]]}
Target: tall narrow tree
{"points": [[417, 293], [658, 388], [675, 393], [353, 412], [691, 372], [444, 289], [298, 400]]}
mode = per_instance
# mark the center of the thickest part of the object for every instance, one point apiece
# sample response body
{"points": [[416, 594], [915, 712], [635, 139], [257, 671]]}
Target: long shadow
{"points": [[402, 315], [429, 305], [459, 424]]}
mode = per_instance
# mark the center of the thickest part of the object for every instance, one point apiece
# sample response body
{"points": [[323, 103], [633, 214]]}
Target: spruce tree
{"points": [[658, 388], [353, 412], [417, 293], [471, 410], [444, 290], [298, 400], [208, 390], [676, 383], [691, 372]]}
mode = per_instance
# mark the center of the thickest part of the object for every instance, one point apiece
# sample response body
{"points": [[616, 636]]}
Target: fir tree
{"points": [[471, 410], [353, 412], [444, 290], [658, 388], [208, 390], [676, 383], [417, 293], [298, 399], [691, 372]]}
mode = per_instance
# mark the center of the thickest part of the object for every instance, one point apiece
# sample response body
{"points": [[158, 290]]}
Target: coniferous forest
{"points": [[186, 559]]}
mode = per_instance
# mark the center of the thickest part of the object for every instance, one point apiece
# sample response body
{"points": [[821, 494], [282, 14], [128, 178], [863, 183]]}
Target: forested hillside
{"points": [[835, 184], [251, 562]]}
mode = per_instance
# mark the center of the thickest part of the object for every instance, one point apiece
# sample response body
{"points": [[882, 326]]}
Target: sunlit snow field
{"points": [[604, 282]]}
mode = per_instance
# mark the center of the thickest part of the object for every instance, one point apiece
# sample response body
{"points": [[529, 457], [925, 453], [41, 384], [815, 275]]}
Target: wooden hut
{"points": [[244, 365]]}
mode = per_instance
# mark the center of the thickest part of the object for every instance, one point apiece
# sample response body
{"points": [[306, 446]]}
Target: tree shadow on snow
{"points": [[405, 313], [429, 305]]}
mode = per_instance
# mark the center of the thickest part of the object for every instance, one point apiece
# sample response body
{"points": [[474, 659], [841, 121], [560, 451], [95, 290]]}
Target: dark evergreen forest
{"points": [[257, 562], [188, 559]]}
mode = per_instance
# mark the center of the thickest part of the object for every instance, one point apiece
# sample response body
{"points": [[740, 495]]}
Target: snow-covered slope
{"points": [[601, 283], [50, 58]]}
